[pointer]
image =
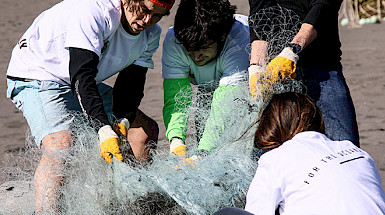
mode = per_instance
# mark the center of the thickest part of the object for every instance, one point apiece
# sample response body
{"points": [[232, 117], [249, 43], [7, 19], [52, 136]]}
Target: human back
{"points": [[315, 175], [304, 172]]}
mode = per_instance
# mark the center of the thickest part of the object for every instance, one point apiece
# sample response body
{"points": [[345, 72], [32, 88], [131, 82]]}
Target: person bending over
{"points": [[304, 172], [206, 47], [58, 67]]}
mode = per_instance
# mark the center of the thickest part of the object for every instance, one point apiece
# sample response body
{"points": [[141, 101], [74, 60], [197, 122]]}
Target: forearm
{"points": [[305, 35], [258, 52]]}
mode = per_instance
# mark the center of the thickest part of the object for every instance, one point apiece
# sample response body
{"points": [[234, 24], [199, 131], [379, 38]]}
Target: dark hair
{"points": [[200, 21], [286, 115], [134, 5]]}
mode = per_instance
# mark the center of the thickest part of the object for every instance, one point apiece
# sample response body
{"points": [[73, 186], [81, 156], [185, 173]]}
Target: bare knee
{"points": [[56, 143]]}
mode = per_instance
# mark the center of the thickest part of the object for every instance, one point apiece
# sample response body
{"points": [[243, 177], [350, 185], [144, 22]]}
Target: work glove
{"points": [[109, 144], [191, 161], [259, 84], [177, 147], [255, 76], [121, 127], [283, 66]]}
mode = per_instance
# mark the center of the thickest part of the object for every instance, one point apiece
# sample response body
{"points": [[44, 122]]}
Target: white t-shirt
{"points": [[311, 174], [42, 52], [233, 59]]}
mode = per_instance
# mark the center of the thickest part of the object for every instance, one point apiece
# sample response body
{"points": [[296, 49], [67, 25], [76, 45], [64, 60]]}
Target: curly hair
{"points": [[198, 22], [286, 115]]}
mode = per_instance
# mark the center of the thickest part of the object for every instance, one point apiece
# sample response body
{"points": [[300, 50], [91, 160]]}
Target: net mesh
{"points": [[276, 25], [166, 185]]}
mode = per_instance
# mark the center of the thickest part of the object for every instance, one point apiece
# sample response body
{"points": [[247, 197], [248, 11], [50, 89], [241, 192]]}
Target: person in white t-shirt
{"points": [[58, 67], [304, 172], [206, 47]]}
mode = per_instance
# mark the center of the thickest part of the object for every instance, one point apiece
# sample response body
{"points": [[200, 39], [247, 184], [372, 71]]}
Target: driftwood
{"points": [[354, 10], [363, 11]]}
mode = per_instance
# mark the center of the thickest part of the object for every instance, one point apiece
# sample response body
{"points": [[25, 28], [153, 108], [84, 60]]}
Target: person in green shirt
{"points": [[206, 47]]}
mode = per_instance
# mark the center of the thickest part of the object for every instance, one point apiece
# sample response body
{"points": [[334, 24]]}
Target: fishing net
{"points": [[276, 25], [167, 185]]}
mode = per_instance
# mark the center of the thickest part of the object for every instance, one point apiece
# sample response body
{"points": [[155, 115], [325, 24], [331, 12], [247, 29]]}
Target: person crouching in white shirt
{"points": [[303, 171]]}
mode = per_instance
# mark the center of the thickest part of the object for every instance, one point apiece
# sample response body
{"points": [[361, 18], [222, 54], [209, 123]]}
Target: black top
{"points": [[325, 50], [128, 90]]}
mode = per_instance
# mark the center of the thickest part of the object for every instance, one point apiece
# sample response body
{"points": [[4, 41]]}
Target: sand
{"points": [[363, 60]]}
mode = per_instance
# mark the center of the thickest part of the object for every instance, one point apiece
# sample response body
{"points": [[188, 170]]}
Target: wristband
{"points": [[295, 48]]}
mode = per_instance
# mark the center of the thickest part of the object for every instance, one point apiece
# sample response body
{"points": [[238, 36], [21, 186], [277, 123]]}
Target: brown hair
{"points": [[286, 115]]}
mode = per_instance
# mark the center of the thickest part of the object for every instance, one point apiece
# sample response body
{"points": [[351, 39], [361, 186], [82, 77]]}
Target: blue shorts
{"points": [[48, 106]]}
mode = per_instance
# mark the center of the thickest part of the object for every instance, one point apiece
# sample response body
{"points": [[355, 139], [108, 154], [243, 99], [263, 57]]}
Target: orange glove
{"points": [[109, 144]]}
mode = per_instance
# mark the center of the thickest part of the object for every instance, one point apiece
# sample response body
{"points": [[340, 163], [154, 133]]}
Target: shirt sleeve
{"points": [[86, 28], [128, 92], [263, 196], [177, 99], [145, 60], [220, 114], [319, 12], [83, 69]]}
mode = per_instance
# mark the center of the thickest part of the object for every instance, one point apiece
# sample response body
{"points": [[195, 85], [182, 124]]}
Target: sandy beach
{"points": [[363, 61]]}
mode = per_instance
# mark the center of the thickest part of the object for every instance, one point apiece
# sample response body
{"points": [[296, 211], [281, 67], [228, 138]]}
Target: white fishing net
{"points": [[166, 185], [276, 25]]}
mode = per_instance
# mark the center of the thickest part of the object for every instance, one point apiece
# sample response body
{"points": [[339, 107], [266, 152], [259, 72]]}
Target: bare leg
{"points": [[48, 177], [143, 136]]}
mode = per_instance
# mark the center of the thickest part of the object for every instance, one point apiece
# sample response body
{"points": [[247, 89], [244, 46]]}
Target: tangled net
{"points": [[166, 185], [276, 25]]}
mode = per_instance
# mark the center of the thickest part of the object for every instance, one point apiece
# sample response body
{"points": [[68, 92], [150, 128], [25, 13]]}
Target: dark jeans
{"points": [[232, 211], [329, 90], [236, 211]]}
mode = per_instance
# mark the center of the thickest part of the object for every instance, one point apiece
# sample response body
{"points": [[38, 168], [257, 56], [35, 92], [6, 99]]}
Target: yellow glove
{"points": [[177, 147], [259, 84], [283, 66], [109, 144], [255, 76], [191, 161], [121, 127]]}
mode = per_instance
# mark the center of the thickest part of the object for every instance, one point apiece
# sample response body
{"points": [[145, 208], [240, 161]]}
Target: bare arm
{"points": [[258, 52], [305, 35]]}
